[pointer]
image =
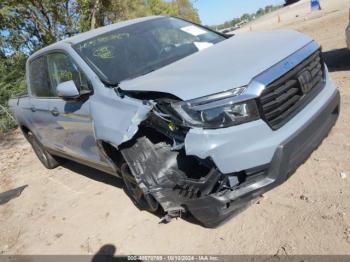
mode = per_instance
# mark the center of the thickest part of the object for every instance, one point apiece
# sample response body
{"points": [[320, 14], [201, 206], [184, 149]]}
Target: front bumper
{"points": [[253, 144], [214, 209]]}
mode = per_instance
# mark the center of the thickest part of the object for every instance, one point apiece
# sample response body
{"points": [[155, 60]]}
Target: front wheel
{"points": [[48, 160], [140, 199]]}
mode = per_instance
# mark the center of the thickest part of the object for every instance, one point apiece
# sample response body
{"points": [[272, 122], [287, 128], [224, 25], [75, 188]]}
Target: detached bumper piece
{"points": [[186, 184]]}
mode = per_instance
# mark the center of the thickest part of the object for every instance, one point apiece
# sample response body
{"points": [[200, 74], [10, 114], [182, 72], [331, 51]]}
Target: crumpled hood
{"points": [[226, 65]]}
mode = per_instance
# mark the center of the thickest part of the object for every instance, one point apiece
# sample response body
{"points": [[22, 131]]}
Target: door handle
{"points": [[33, 109], [55, 112]]}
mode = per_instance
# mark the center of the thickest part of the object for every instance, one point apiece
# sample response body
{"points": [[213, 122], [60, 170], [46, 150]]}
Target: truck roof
{"points": [[92, 33]]}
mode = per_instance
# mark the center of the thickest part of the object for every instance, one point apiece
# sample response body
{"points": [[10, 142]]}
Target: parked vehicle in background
{"points": [[227, 30], [193, 121]]}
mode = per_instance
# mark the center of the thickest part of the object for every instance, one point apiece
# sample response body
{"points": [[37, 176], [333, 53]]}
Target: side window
{"points": [[39, 78], [62, 69]]}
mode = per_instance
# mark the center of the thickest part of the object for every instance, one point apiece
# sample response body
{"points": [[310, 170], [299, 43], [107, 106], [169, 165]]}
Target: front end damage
{"points": [[206, 138], [183, 184], [178, 182], [203, 184]]}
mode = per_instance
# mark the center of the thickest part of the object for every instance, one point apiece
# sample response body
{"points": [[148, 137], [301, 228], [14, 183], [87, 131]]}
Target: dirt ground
{"points": [[77, 210]]}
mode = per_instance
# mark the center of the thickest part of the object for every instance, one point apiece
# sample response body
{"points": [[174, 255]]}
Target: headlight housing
{"points": [[217, 111]]}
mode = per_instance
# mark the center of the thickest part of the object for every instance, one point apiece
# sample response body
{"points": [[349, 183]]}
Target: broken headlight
{"points": [[217, 111]]}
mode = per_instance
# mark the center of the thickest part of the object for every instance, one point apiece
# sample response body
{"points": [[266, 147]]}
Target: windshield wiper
{"points": [[118, 90]]}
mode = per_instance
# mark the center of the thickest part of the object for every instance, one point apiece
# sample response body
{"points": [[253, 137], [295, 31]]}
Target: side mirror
{"points": [[68, 90]]}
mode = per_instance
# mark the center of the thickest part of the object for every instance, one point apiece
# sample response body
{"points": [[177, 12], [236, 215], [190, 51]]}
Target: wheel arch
{"points": [[111, 154], [25, 130]]}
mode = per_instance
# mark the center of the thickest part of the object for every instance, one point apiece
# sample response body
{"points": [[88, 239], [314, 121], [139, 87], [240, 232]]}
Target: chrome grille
{"points": [[285, 97]]}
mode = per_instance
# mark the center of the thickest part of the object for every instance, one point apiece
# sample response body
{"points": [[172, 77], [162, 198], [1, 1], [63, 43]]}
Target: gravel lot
{"points": [[77, 210]]}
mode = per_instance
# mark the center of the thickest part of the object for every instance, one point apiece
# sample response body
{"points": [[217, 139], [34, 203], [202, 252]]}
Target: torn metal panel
{"points": [[116, 119]]}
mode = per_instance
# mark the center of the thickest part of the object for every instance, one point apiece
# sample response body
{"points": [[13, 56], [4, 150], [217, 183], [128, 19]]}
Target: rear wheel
{"points": [[140, 199], [48, 160]]}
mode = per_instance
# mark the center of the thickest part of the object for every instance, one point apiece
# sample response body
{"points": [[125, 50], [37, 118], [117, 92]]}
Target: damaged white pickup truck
{"points": [[192, 120]]}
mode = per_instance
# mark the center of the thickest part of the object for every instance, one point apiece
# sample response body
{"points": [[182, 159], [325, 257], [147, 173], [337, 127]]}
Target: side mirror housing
{"points": [[68, 90]]}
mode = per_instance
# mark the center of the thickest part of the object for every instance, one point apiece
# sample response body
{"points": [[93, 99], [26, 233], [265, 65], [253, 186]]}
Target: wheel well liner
{"points": [[170, 176]]}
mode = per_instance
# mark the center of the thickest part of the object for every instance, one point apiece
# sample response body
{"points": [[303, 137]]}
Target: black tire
{"points": [[140, 199], [48, 160]]}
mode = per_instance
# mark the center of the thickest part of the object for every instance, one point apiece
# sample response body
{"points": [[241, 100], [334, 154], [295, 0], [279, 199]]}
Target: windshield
{"points": [[141, 48]]}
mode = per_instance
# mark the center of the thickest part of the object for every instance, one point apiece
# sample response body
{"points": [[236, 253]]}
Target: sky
{"points": [[213, 12]]}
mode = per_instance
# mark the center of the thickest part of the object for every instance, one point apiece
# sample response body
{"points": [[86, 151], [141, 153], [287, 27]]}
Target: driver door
{"points": [[71, 120]]}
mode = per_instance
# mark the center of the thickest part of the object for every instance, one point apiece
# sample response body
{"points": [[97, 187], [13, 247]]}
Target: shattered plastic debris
{"points": [[11, 194], [343, 175]]}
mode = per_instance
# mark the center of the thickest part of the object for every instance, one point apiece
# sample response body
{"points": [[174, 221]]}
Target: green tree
{"points": [[269, 9], [91, 13], [12, 82], [121, 10], [260, 12], [27, 25], [160, 7], [249, 17], [227, 24], [186, 10], [235, 21], [245, 17]]}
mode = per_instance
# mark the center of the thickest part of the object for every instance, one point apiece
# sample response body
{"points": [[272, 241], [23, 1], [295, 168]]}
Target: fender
{"points": [[116, 120]]}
